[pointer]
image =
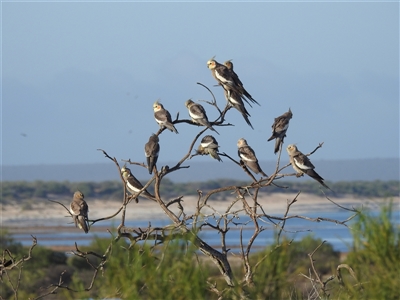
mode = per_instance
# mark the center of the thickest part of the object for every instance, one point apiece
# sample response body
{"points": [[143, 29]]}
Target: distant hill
{"points": [[332, 170]]}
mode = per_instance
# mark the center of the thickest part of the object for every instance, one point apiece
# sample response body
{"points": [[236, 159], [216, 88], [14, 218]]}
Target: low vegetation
{"points": [[20, 191], [176, 270]]}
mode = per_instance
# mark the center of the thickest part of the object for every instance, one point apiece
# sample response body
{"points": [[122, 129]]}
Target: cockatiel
{"points": [[151, 150], [163, 117], [79, 210], [209, 145], [279, 128], [248, 157], [133, 185], [302, 164], [229, 80], [198, 114]]}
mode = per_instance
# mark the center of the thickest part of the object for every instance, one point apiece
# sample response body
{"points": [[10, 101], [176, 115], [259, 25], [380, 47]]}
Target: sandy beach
{"points": [[53, 226], [47, 213]]}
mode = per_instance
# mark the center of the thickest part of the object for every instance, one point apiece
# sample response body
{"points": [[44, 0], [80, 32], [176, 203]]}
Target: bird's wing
{"points": [[247, 154], [197, 111], [134, 184], [161, 116], [302, 162], [223, 75]]}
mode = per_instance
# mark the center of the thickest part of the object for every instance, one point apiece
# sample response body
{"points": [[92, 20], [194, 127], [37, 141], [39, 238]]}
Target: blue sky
{"points": [[81, 76]]}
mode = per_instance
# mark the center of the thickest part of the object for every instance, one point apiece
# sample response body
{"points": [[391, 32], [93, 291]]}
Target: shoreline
{"points": [[49, 214], [54, 229]]}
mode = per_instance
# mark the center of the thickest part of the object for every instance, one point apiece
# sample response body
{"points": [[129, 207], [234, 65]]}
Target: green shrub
{"points": [[42, 269], [278, 276], [168, 271], [375, 255]]}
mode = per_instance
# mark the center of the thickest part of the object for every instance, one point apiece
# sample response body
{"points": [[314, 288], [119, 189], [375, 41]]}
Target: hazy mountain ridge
{"points": [[331, 170]]}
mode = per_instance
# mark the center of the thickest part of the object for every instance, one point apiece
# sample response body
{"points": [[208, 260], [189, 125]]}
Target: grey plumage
{"points": [[209, 146], [79, 210], [279, 128], [238, 82], [229, 80], [151, 150], [302, 164], [248, 157], [235, 101], [163, 117], [133, 185], [198, 114]]}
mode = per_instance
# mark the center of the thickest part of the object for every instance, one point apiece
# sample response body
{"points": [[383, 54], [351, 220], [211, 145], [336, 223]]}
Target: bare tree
{"points": [[188, 226]]}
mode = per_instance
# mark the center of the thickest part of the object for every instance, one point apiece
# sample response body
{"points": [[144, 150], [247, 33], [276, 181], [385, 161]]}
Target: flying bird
{"points": [[209, 145], [198, 114], [151, 150], [133, 185], [163, 117], [248, 157], [279, 128], [302, 164], [79, 210], [229, 80], [235, 101]]}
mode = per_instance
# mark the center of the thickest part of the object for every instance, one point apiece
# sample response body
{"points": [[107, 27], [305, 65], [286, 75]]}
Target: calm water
{"points": [[337, 235]]}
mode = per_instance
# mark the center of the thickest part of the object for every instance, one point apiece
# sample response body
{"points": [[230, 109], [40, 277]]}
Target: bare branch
{"points": [[242, 165], [289, 204], [312, 152], [348, 268], [310, 255], [11, 265], [61, 205]]}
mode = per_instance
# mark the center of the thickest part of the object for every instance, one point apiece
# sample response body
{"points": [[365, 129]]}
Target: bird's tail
{"points": [[248, 96], [173, 129], [271, 138], [277, 144], [317, 177], [212, 128], [149, 196], [82, 223], [247, 121], [214, 154]]}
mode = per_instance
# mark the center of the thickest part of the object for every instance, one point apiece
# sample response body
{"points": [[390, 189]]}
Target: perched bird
{"points": [[235, 77], [235, 101], [302, 164], [133, 185], [151, 150], [209, 145], [248, 157], [163, 117], [229, 80], [79, 210], [279, 128], [198, 114], [221, 74]]}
